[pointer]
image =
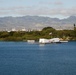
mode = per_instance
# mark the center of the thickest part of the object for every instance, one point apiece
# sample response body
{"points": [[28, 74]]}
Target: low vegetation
{"points": [[47, 32]]}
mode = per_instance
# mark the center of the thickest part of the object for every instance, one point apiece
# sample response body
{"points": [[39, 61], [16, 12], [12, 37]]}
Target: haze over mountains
{"points": [[36, 22]]}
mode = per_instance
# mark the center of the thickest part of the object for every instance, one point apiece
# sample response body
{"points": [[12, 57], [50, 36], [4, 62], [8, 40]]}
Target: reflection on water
{"points": [[41, 45]]}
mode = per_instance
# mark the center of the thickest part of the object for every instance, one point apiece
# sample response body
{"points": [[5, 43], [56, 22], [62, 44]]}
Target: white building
{"points": [[53, 40], [23, 29], [13, 29]]}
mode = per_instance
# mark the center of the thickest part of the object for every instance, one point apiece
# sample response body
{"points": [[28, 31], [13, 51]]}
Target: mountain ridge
{"points": [[35, 22]]}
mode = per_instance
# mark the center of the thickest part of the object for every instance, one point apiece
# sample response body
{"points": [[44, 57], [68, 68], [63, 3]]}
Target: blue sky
{"points": [[51, 8]]}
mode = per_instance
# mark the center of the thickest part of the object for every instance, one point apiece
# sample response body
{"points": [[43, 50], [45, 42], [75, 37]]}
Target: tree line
{"points": [[47, 32]]}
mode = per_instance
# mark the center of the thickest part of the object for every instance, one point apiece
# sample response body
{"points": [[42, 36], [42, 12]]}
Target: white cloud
{"points": [[58, 3], [38, 11]]}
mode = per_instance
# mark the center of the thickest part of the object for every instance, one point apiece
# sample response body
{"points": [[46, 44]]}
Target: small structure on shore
{"points": [[31, 41]]}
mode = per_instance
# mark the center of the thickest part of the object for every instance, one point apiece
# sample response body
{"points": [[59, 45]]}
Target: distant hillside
{"points": [[35, 22]]}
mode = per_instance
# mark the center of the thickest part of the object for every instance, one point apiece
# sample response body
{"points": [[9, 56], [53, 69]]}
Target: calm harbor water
{"points": [[21, 58]]}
